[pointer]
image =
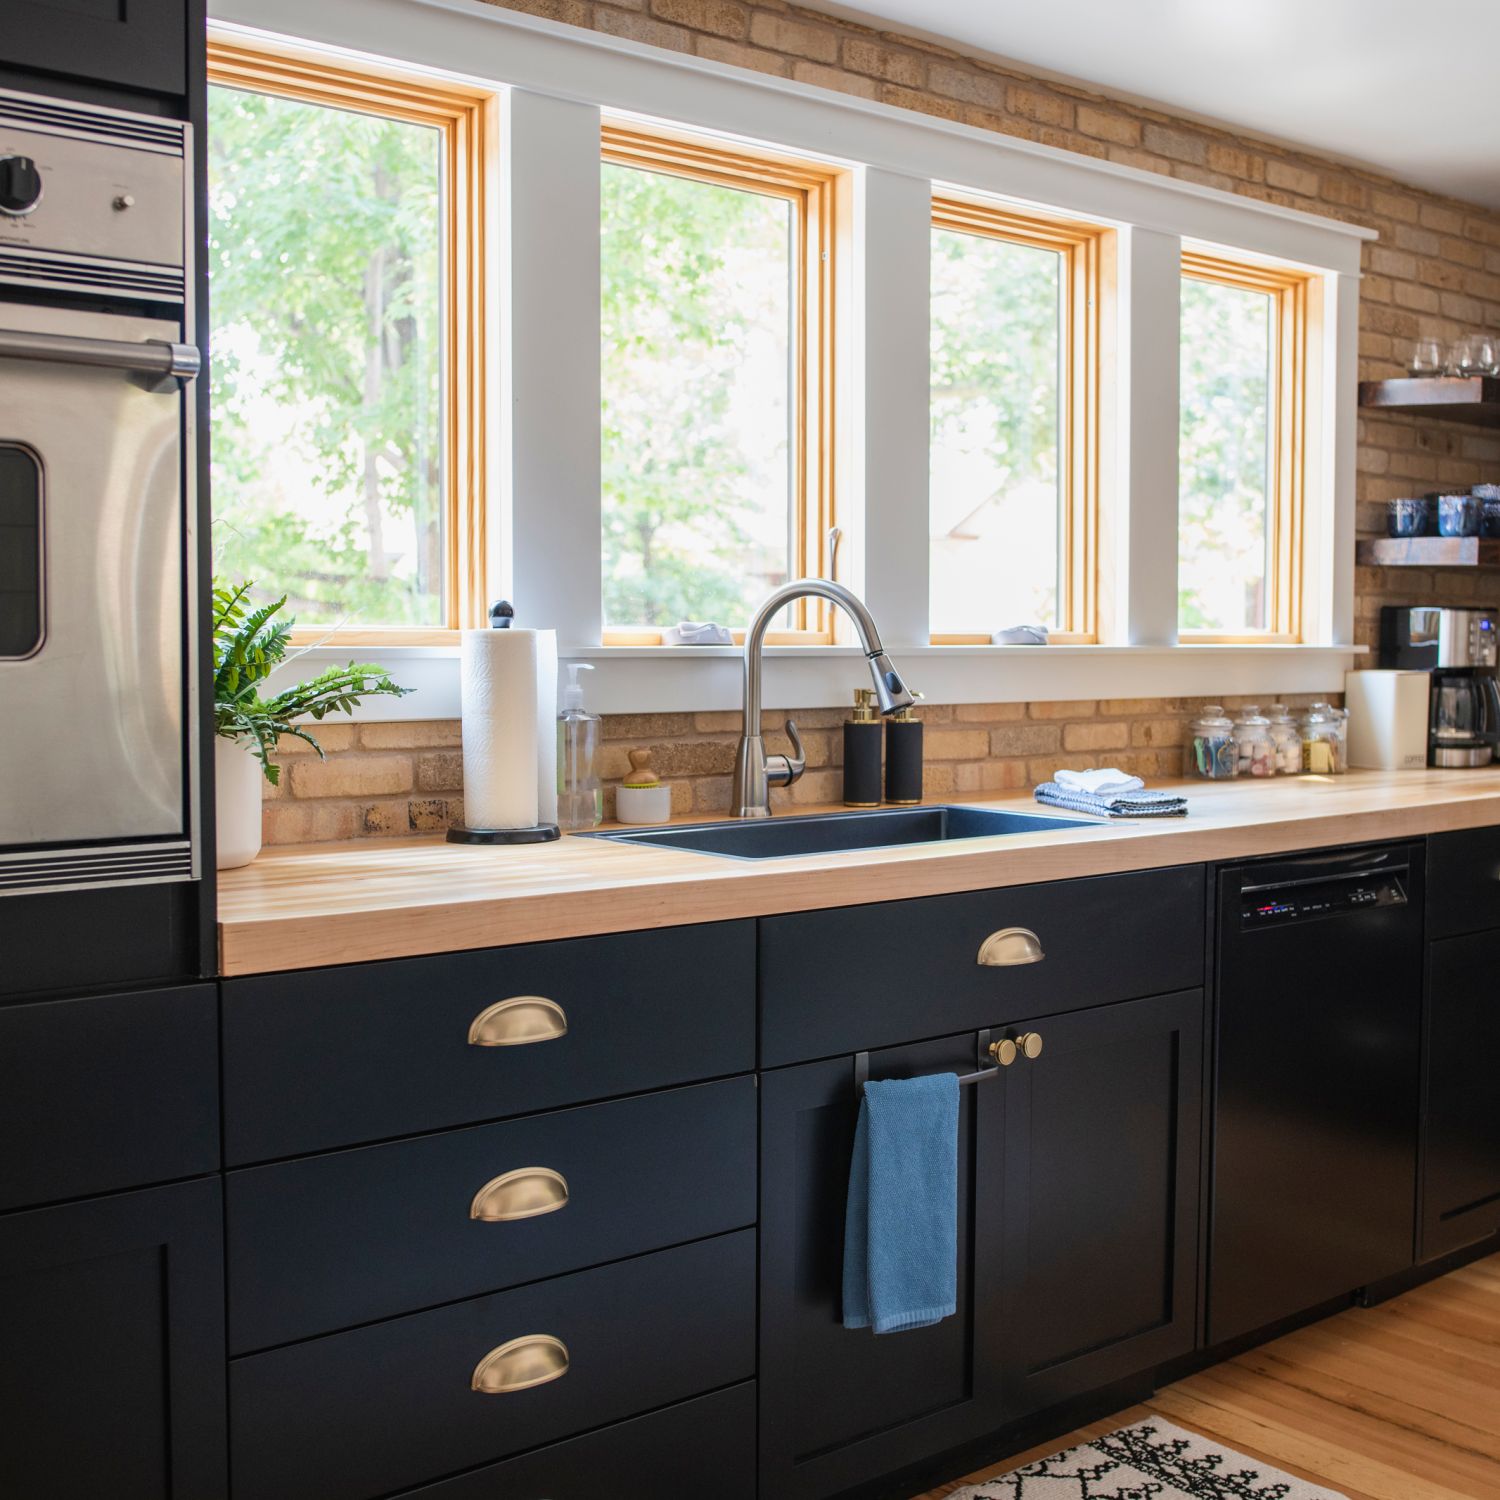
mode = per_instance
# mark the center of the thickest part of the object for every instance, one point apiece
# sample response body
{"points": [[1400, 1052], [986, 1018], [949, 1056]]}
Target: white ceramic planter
{"points": [[237, 783]]}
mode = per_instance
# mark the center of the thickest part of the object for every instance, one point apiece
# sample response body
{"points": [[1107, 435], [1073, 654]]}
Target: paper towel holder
{"points": [[542, 833]]}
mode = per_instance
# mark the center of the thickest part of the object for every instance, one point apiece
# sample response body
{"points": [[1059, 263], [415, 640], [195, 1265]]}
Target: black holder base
{"points": [[543, 833]]}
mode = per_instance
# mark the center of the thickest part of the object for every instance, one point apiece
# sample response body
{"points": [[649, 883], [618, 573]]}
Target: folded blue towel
{"points": [[1129, 804], [901, 1223]]}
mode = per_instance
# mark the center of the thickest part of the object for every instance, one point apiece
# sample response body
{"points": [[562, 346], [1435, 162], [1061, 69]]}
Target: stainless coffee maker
{"points": [[1458, 646]]}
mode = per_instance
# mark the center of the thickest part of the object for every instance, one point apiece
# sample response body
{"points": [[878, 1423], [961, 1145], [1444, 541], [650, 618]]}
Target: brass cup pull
{"points": [[520, 1364], [1011, 945], [521, 1194], [518, 1021], [1008, 1049]]}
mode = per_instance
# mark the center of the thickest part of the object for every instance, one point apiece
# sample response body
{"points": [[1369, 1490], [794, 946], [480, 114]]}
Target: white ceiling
{"points": [[1410, 87]]}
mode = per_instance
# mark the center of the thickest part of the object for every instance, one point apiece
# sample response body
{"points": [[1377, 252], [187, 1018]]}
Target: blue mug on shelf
{"points": [[1404, 518], [1459, 515]]}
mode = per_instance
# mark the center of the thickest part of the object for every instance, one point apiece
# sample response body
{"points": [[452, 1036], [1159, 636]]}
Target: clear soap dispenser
{"points": [[580, 800]]}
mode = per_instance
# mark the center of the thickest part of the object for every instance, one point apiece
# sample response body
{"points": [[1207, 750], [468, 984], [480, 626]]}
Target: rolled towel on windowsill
{"points": [[692, 633]]}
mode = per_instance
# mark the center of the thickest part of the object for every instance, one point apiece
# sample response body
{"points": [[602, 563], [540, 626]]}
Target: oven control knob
{"points": [[20, 185]]}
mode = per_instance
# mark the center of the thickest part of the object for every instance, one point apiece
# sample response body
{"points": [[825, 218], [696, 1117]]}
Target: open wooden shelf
{"points": [[1474, 399], [1429, 552]]}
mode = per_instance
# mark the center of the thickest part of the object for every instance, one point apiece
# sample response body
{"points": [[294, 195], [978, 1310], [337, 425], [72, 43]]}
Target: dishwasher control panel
{"points": [[1273, 906]]}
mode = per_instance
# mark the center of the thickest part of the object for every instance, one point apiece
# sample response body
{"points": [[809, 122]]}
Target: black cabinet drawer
{"points": [[142, 45], [363, 1413], [331, 1241], [113, 1091], [698, 1447], [877, 976], [333, 1057], [1463, 881]]}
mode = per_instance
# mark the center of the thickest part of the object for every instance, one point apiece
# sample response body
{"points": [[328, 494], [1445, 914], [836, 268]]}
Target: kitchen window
{"points": [[1014, 422], [717, 275], [1242, 452], [345, 222]]}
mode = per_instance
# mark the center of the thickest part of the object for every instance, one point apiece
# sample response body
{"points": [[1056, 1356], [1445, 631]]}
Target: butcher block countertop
{"points": [[312, 905]]}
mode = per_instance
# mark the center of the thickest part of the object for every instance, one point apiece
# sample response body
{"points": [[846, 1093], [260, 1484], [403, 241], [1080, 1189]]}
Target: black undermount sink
{"points": [[834, 833]]}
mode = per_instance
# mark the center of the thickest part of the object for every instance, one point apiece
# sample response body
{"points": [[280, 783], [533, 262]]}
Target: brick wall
{"points": [[1434, 271], [381, 780]]}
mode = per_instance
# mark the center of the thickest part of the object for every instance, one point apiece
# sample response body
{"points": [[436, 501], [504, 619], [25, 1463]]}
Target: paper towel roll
{"points": [[509, 704]]}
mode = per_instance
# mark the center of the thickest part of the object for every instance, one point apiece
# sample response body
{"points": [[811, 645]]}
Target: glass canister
{"points": [[1341, 743], [1320, 735], [1213, 752], [1255, 750], [1287, 738]]}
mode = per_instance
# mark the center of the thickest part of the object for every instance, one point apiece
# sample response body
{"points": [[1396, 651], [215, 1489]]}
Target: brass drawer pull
{"points": [[521, 1194], [1011, 1049], [518, 1021], [1011, 945], [520, 1364]]}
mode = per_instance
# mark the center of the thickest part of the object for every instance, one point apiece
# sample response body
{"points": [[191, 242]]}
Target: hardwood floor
{"points": [[1396, 1402]]}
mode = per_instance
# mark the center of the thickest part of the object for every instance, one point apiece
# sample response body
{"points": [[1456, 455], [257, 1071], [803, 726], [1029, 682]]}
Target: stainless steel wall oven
{"points": [[98, 703]]}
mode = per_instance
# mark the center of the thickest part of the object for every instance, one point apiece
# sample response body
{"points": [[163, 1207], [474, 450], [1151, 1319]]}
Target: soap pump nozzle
{"points": [[573, 693]]}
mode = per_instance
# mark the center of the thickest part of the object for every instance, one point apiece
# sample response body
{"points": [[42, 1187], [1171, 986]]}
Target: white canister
{"points": [[643, 797]]}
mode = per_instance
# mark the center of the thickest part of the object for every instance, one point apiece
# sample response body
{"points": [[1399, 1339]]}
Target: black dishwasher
{"points": [[1318, 1052]]}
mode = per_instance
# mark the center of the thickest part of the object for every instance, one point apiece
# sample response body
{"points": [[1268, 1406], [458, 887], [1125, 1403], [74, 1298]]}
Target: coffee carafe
{"points": [[1458, 646]]}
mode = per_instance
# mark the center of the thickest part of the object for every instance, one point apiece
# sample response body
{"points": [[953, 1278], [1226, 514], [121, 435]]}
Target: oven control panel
{"points": [[91, 199]]}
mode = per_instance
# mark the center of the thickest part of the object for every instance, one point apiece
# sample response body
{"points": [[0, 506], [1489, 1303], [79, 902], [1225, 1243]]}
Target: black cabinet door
{"points": [[138, 44], [1461, 1150], [1101, 1144], [840, 1407], [112, 1348]]}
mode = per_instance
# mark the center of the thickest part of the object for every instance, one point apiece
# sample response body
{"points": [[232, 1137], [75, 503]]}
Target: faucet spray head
{"points": [[891, 692]]}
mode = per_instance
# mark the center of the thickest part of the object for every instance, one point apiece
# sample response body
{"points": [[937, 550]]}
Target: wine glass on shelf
{"points": [[1425, 359], [1469, 355]]}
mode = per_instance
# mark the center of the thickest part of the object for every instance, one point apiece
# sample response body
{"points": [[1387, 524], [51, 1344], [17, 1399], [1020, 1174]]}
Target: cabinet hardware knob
{"points": [[1029, 1044], [520, 1364], [1004, 1052], [1011, 945], [518, 1021], [522, 1194]]}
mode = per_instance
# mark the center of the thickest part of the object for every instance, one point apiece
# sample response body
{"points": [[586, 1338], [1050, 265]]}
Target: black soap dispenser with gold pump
{"points": [[903, 757], [862, 752]]}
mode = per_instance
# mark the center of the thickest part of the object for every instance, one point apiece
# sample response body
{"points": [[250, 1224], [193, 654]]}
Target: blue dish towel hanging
{"points": [[901, 1223]]}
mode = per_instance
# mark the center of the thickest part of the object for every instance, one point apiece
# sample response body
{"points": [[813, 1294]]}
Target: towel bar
{"points": [[981, 1049]]}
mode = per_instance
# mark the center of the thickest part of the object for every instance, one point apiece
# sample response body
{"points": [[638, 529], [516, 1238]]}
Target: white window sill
{"points": [[687, 679]]}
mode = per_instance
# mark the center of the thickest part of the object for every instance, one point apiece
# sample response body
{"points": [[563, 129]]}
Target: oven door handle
{"points": [[155, 357]]}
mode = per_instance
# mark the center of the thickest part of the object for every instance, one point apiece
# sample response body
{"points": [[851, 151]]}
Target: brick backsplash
{"points": [[383, 780], [1434, 271]]}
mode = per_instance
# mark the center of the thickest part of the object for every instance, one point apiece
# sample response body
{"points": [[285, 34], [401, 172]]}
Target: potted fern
{"points": [[249, 643]]}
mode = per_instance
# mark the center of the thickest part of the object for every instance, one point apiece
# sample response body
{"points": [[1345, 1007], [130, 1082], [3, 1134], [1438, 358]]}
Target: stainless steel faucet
{"points": [[755, 772]]}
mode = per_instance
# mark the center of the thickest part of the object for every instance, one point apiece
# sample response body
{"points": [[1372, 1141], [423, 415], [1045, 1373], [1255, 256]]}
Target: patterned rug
{"points": [[1152, 1460]]}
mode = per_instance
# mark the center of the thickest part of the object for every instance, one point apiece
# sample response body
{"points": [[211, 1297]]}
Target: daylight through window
{"points": [[1014, 422]]}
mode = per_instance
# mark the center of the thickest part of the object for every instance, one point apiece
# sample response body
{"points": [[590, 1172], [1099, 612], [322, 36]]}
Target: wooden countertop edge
{"points": [[607, 901]]}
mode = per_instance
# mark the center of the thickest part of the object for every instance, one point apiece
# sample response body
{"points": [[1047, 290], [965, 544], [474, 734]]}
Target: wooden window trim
{"points": [[1086, 254], [465, 120], [1295, 303], [812, 190]]}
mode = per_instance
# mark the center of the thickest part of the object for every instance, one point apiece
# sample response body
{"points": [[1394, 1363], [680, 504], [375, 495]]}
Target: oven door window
{"points": [[22, 617]]}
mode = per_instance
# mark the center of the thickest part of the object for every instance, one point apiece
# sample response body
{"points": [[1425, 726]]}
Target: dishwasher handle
{"points": [[157, 357]]}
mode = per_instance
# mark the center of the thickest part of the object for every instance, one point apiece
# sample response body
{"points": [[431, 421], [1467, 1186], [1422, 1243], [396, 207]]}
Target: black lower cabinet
{"points": [[840, 1407], [702, 1447], [1461, 1148], [112, 1332], [1078, 1243], [1101, 1141], [361, 1414]]}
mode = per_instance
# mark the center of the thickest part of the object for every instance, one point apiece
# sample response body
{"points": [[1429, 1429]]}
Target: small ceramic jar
{"points": [[1458, 515], [1212, 752], [1255, 750], [1404, 518]]}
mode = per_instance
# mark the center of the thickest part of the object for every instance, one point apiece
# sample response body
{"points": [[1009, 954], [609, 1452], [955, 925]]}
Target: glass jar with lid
{"points": [[1320, 734], [1255, 750], [1286, 735], [1213, 753]]}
